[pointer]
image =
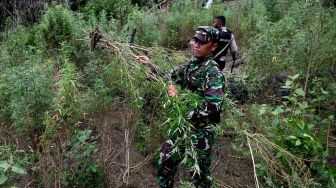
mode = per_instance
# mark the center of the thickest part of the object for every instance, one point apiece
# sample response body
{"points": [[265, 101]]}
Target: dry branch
{"points": [[126, 53], [294, 173]]}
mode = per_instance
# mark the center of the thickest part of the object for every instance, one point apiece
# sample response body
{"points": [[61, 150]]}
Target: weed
{"points": [[57, 26], [81, 170], [13, 162]]}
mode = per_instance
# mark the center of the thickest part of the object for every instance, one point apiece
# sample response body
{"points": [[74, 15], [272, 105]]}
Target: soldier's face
{"points": [[217, 23], [201, 50]]}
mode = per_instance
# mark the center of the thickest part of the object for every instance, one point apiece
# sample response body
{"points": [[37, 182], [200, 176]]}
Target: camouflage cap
{"points": [[205, 34]]}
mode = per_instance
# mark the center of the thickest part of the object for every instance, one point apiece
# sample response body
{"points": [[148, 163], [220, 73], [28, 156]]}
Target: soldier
{"points": [[200, 75], [226, 42]]}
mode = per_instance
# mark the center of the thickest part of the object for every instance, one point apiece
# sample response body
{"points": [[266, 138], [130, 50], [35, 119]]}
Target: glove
{"points": [[190, 115], [195, 114]]}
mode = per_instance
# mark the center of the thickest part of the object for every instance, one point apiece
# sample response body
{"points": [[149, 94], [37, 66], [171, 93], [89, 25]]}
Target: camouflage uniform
{"points": [[204, 78]]}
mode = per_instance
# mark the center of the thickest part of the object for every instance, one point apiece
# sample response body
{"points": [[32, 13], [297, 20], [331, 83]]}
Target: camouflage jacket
{"points": [[204, 78]]}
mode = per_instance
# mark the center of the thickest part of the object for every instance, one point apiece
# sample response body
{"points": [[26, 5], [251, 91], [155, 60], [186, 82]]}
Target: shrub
{"points": [[116, 9], [19, 46], [13, 162], [297, 128], [171, 29], [57, 26], [149, 131], [101, 90], [66, 104], [294, 43], [80, 169], [26, 93], [140, 19]]}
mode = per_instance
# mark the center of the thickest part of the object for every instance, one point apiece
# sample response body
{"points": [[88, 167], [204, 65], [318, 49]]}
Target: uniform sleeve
{"points": [[213, 90], [177, 75], [213, 95]]}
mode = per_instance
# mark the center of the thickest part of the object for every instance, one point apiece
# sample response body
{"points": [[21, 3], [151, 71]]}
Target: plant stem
{"points": [[254, 168]]}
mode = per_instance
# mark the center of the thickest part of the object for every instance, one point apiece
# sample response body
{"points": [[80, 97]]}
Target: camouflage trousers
{"points": [[168, 162]]}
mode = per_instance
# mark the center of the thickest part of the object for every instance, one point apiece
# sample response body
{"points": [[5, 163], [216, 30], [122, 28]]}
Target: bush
{"points": [[101, 89], [80, 169], [116, 9], [66, 104], [171, 29], [20, 46], [297, 128], [13, 162], [29, 13], [140, 19], [26, 93], [57, 26], [294, 43]]}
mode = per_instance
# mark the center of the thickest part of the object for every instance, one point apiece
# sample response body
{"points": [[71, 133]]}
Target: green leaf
{"points": [[294, 77], [262, 110], [288, 82], [307, 136], [303, 105], [300, 92], [11, 159], [279, 154], [285, 97], [292, 99], [276, 122], [310, 126], [292, 137], [18, 169], [5, 165], [297, 143], [297, 112], [300, 125], [3, 179], [85, 135], [324, 92], [277, 111]]}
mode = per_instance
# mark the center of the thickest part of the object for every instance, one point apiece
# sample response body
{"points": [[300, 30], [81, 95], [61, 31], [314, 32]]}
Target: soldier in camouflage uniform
{"points": [[200, 75]]}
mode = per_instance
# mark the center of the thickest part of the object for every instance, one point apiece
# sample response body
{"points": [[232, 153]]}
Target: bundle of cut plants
{"points": [[129, 53], [181, 131]]}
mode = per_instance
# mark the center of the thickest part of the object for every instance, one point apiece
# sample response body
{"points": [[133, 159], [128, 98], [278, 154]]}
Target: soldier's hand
{"points": [[172, 91], [144, 60]]}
